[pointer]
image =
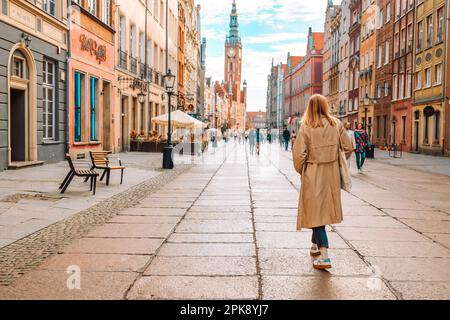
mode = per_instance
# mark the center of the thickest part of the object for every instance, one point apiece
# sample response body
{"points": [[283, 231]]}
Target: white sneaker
{"points": [[320, 264]]}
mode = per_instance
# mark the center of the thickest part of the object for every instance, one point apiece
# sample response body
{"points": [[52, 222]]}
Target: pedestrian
{"points": [[286, 138], [351, 135], [293, 137], [316, 159], [362, 142], [258, 141], [252, 141], [269, 137], [280, 138]]}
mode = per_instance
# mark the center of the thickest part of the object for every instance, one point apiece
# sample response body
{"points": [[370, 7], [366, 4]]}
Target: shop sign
{"points": [[91, 46]]}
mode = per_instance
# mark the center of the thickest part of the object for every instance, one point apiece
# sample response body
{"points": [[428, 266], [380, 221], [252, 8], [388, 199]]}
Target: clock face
{"points": [[231, 52]]}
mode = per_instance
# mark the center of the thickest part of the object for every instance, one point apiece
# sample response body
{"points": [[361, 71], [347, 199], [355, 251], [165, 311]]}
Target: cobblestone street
{"points": [[224, 227]]}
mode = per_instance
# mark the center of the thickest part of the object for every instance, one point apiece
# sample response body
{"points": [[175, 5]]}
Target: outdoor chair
{"points": [[100, 161], [88, 174]]}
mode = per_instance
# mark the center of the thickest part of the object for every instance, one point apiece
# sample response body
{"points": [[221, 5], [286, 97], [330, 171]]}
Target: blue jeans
{"points": [[360, 159], [320, 237], [286, 144]]}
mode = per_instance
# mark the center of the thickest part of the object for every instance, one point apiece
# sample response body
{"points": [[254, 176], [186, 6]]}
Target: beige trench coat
{"points": [[315, 154]]}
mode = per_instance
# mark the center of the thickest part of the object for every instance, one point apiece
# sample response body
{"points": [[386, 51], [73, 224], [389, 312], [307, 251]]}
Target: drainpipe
{"points": [[445, 99], [68, 77]]}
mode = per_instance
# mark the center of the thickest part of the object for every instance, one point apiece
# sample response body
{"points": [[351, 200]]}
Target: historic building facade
{"points": [[385, 40], [367, 64], [91, 78], [402, 78], [354, 33], [344, 60], [429, 94], [33, 82]]}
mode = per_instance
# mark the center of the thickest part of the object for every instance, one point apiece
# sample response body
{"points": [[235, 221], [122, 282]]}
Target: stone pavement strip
{"points": [[225, 229]]}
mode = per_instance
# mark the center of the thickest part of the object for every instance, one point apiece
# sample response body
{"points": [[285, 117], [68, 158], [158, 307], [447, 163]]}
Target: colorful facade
{"points": [[429, 97], [92, 80], [33, 82], [354, 62]]}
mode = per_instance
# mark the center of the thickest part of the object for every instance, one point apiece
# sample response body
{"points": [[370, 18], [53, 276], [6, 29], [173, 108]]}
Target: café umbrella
{"points": [[179, 119]]}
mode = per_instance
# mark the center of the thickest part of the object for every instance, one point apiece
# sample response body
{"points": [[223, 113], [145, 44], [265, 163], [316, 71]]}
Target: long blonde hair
{"points": [[317, 109]]}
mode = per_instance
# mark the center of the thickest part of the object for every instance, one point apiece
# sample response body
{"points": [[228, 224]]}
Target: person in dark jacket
{"points": [[286, 138], [362, 141]]}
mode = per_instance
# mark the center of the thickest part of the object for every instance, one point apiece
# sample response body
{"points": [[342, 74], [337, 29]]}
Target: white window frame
{"points": [[47, 87]]}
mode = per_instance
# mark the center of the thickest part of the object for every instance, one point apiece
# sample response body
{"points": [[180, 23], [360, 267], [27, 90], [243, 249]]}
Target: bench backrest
{"points": [[99, 158], [69, 160]]}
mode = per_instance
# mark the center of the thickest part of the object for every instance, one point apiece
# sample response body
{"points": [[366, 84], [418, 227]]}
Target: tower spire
{"points": [[233, 34]]}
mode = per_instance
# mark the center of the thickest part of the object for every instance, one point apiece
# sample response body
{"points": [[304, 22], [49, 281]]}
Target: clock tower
{"points": [[233, 56]]}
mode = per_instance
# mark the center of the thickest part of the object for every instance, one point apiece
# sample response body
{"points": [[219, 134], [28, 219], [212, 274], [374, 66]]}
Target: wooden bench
{"points": [[85, 173], [100, 161]]}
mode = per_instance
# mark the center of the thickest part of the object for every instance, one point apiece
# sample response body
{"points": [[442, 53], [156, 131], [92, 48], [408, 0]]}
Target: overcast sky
{"points": [[269, 29]]}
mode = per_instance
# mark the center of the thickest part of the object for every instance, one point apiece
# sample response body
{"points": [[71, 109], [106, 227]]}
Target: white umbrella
{"points": [[179, 119]]}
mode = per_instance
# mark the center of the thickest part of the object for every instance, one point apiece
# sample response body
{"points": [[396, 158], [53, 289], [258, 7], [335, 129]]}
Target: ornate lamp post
{"points": [[169, 83]]}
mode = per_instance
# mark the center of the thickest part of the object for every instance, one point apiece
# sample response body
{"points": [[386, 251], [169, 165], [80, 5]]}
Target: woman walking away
{"points": [[252, 141], [362, 142], [258, 141], [316, 159]]}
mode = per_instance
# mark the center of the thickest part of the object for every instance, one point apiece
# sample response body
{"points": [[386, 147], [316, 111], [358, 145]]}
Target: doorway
{"points": [[416, 136], [106, 116], [18, 126], [123, 124]]}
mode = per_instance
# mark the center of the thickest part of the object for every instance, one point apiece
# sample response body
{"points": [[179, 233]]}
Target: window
{"points": [[403, 41], [49, 6], [437, 127], [106, 16], [48, 99], [402, 87], [396, 43], [403, 128], [419, 36], [410, 37], [161, 12], [427, 77], [92, 6], [386, 89], [388, 12], [440, 25], [94, 112], [384, 127], [418, 80], [387, 53], [79, 96], [408, 86], [380, 56], [397, 8], [438, 74], [395, 88], [378, 126], [17, 68], [379, 90], [429, 31]]}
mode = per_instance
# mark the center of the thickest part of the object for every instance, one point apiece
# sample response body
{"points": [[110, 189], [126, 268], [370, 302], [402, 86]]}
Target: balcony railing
{"points": [[133, 65], [123, 59]]}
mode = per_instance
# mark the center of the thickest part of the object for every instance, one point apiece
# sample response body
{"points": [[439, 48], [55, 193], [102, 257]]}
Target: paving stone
{"points": [[275, 204], [145, 219], [215, 226], [232, 216], [97, 262], [207, 250], [361, 211], [322, 287], [391, 234], [199, 288], [52, 285], [400, 249], [294, 240], [276, 219], [116, 246], [299, 262], [116, 230], [443, 239], [414, 214], [196, 208], [282, 227], [423, 290], [371, 222], [211, 237], [413, 269], [168, 204], [428, 226], [202, 266], [225, 203], [138, 211], [276, 212]]}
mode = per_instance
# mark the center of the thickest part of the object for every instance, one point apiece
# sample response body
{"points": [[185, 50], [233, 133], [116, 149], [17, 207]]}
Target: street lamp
{"points": [[141, 97], [169, 83]]}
